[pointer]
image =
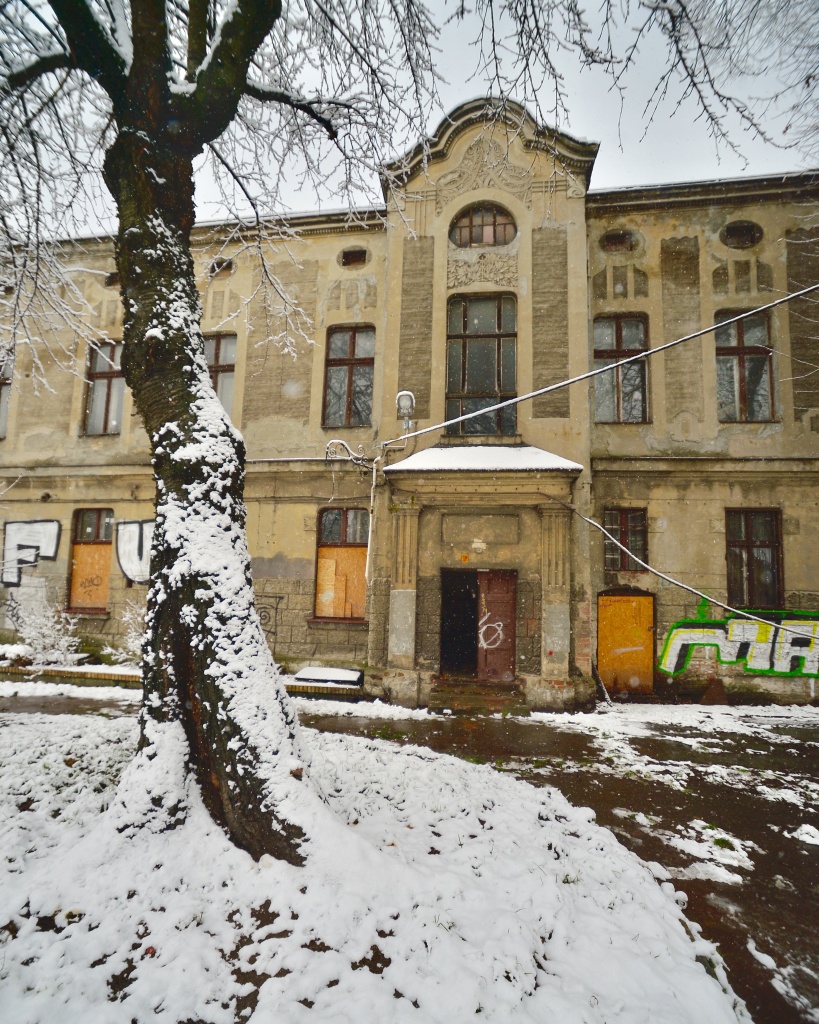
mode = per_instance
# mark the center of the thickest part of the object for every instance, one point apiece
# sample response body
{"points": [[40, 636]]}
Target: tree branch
{"points": [[260, 92], [222, 76], [42, 66], [91, 47]]}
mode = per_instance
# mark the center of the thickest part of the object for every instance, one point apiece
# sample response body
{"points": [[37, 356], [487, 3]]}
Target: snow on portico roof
{"points": [[484, 458]]}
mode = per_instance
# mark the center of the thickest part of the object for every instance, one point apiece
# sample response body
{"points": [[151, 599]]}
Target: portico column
{"points": [[555, 533], [401, 644]]}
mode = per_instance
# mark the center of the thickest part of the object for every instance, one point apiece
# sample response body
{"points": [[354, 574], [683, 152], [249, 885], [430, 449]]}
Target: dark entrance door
{"points": [[478, 623], [459, 622]]}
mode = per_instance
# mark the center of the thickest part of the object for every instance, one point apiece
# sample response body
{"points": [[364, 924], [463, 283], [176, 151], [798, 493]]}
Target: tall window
{"points": [[754, 555], [481, 363], [620, 396], [341, 586], [5, 393], [91, 559], [630, 527], [348, 378], [744, 393], [106, 387], [220, 353], [482, 225]]}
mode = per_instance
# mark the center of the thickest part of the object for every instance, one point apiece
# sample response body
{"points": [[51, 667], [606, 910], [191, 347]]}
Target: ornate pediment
{"points": [[485, 165]]}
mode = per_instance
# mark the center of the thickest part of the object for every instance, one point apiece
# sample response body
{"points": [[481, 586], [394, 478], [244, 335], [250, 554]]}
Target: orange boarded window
{"points": [[341, 585], [91, 559]]}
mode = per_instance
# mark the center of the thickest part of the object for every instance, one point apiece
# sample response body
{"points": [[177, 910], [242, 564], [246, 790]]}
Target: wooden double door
{"points": [[478, 623]]}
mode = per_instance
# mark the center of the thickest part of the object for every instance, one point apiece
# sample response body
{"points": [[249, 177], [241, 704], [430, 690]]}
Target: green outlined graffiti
{"points": [[786, 644]]}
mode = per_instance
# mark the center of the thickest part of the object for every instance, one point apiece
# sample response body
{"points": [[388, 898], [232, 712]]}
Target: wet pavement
{"points": [[744, 792], [717, 810]]}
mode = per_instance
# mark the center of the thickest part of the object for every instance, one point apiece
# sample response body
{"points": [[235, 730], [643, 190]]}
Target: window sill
{"points": [[324, 623], [89, 613]]}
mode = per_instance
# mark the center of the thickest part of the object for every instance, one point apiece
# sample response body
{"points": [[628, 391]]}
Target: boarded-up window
{"points": [[91, 559], [341, 585]]}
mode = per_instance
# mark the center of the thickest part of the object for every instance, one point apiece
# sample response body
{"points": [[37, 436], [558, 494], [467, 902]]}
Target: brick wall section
{"points": [[528, 628], [803, 317], [285, 605], [378, 614], [415, 350], [680, 269], [275, 381], [428, 623], [550, 320]]}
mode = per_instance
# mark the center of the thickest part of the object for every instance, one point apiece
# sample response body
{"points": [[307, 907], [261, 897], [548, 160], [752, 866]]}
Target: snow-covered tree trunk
{"points": [[206, 661]]}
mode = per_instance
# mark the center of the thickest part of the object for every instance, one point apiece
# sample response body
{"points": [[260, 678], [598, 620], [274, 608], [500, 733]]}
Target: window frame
{"points": [[457, 227], [351, 362], [102, 517], [623, 532], [343, 543], [461, 395], [104, 378], [740, 351], [748, 545], [616, 354], [216, 369]]}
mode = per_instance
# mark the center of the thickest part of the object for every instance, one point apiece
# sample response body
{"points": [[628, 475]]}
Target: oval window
{"points": [[482, 225], [618, 241], [741, 234]]}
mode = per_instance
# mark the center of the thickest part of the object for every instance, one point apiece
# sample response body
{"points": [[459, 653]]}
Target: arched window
{"points": [[486, 224]]}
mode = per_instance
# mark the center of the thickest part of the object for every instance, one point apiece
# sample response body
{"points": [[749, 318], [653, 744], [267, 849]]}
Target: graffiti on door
{"points": [[490, 634], [786, 644]]}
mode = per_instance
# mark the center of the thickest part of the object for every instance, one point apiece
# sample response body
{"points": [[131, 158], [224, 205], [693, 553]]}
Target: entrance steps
{"points": [[470, 697]]}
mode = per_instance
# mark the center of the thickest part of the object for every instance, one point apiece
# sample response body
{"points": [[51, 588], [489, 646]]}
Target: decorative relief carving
{"points": [[499, 268], [574, 188], [485, 165]]}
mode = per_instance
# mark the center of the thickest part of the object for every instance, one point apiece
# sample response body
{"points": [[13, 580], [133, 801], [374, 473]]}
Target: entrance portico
{"points": [[481, 572]]}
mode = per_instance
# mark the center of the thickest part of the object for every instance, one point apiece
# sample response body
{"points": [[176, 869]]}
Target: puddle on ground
{"points": [[67, 706]]}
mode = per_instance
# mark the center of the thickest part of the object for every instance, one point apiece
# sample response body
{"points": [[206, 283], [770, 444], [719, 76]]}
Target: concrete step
{"points": [[470, 697]]}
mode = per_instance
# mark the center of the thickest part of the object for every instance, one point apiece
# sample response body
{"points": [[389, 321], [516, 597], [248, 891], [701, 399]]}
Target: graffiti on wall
{"points": [[134, 549], [25, 543], [786, 644]]}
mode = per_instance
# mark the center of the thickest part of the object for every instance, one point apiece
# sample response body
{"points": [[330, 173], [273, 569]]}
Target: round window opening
{"points": [[618, 241], [482, 225], [741, 234]]}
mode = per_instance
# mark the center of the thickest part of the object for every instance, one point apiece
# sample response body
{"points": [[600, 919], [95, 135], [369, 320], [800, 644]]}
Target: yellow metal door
{"points": [[625, 642]]}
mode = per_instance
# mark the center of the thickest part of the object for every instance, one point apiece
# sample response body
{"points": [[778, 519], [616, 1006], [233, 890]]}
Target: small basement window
{"points": [[618, 241], [221, 265], [353, 257], [741, 234], [112, 280]]}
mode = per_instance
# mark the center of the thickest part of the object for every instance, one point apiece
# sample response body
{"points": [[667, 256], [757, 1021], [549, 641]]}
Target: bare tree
{"points": [[130, 93]]}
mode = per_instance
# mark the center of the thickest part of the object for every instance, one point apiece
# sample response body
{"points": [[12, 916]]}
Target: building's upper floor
{"points": [[497, 273]]}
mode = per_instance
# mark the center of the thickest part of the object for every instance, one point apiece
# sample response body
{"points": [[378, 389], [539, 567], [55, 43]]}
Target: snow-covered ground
{"points": [[435, 890]]}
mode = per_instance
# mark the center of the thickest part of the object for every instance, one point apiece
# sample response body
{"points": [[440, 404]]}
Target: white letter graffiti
{"points": [[134, 549], [697, 636], [490, 634], [25, 543], [782, 647], [804, 646]]}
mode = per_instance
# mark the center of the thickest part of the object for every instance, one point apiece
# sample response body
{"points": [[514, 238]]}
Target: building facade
{"points": [[466, 552]]}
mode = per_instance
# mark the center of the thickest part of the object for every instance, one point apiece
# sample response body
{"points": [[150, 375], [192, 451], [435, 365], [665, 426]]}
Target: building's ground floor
{"points": [[473, 564]]}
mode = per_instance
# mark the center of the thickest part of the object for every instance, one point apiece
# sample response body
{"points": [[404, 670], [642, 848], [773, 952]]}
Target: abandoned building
{"points": [[465, 553]]}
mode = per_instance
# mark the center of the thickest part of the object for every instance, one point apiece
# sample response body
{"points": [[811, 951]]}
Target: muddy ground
{"points": [[715, 810]]}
